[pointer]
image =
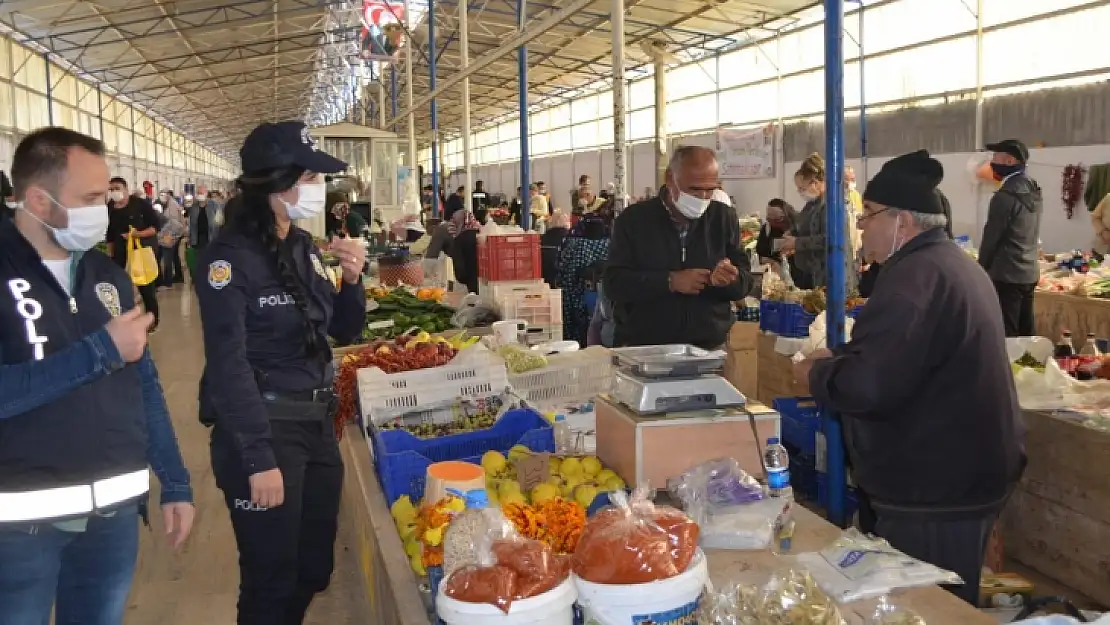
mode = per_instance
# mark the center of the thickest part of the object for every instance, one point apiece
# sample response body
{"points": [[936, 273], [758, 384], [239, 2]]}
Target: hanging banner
{"points": [[383, 34], [748, 153]]}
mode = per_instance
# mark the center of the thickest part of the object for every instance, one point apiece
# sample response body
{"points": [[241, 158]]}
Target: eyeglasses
{"points": [[866, 216]]}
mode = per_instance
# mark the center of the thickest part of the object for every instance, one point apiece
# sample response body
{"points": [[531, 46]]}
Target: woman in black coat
{"points": [[463, 229], [551, 242], [781, 220]]}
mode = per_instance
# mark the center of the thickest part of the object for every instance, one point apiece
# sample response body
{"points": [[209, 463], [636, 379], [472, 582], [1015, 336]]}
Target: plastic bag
{"points": [[887, 613], [142, 266], [635, 542], [728, 505], [790, 597], [520, 359], [508, 567], [858, 567]]}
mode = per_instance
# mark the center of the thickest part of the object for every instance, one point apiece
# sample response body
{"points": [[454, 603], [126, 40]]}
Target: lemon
{"points": [[569, 486], [605, 475], [614, 483], [519, 452], [591, 466], [585, 495], [544, 492], [571, 468], [493, 462], [513, 498], [554, 463]]}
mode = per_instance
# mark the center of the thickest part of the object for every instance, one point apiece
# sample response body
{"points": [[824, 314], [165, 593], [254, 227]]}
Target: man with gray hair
{"points": [[675, 261], [924, 389]]}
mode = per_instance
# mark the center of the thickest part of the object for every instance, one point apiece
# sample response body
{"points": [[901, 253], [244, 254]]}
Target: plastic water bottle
{"points": [[777, 461], [562, 435]]}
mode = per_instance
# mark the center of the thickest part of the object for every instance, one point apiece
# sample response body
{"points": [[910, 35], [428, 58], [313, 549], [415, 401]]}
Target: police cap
{"points": [[283, 145]]}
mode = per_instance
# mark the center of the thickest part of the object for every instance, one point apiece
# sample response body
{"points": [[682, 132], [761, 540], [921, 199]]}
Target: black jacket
{"points": [[254, 333], [96, 431], [1009, 248], [924, 388], [464, 256], [551, 243], [645, 249]]}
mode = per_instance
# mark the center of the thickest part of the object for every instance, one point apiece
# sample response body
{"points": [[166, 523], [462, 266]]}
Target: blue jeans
{"points": [[88, 574]]}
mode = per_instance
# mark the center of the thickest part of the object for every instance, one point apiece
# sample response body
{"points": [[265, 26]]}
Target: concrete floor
{"points": [[200, 584]]}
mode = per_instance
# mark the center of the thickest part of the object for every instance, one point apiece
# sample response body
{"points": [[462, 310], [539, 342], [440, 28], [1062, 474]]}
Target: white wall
{"points": [[969, 199]]}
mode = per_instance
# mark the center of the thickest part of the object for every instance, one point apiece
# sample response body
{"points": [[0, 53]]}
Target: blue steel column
{"points": [[435, 113], [49, 90], [393, 95], [525, 160], [836, 230]]}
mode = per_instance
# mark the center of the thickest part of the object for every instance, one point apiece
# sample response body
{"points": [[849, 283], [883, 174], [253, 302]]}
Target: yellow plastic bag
{"points": [[142, 266]]}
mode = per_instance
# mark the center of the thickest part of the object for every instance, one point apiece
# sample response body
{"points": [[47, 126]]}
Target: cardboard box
{"points": [[742, 371], [776, 372], [652, 449], [743, 335]]}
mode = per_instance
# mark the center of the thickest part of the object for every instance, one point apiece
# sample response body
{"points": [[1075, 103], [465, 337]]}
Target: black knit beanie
{"points": [[908, 182]]}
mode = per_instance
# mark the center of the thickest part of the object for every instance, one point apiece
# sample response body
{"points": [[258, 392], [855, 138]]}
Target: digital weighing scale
{"points": [[660, 379]]}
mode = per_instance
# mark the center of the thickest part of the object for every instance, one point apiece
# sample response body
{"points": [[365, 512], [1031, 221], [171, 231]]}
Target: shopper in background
{"points": [[516, 208], [538, 204], [852, 197], [924, 388], [806, 245], [587, 202], [587, 245], [551, 243], [204, 224], [455, 203], [1009, 249], [542, 186], [6, 195], [781, 218], [82, 415], [268, 306], [131, 216], [576, 193], [463, 229], [676, 263], [480, 202], [174, 228]]}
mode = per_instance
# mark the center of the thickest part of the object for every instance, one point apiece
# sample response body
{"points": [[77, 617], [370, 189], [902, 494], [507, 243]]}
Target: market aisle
{"points": [[200, 584]]}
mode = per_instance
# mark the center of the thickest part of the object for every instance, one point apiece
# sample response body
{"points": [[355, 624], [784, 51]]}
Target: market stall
{"points": [[397, 596], [1058, 520], [1056, 311]]}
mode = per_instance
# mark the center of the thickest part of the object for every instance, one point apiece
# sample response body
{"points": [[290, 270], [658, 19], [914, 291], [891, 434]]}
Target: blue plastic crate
{"points": [[851, 502], [769, 315], [803, 476], [402, 460], [794, 321], [800, 421]]}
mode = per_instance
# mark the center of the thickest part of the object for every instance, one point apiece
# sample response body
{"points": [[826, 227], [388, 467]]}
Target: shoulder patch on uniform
{"points": [[108, 295], [319, 267], [219, 274]]}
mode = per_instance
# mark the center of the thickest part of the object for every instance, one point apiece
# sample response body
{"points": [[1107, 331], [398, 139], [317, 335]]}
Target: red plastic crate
{"points": [[510, 257]]}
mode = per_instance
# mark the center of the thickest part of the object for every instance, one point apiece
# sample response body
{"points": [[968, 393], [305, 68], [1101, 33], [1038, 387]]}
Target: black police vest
{"points": [[95, 431]]}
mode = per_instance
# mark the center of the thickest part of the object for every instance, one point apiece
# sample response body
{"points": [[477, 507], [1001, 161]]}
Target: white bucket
{"points": [[666, 602], [554, 607]]}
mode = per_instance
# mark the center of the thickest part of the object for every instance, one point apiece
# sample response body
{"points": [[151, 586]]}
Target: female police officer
{"points": [[268, 305]]}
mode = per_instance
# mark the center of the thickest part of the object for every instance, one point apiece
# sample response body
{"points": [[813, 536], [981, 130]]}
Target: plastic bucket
{"points": [[665, 602], [554, 607]]}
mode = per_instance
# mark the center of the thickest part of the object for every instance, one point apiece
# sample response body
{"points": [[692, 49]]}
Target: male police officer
{"points": [[82, 414]]}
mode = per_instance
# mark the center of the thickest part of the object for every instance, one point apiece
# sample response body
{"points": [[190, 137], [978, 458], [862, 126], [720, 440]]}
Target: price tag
{"points": [[532, 471]]}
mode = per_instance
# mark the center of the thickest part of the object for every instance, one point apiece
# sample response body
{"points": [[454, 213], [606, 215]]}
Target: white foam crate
{"points": [[536, 308], [568, 377], [384, 396], [492, 291]]}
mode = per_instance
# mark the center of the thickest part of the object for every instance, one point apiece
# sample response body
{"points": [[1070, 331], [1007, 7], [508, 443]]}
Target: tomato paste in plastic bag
{"points": [[635, 542]]}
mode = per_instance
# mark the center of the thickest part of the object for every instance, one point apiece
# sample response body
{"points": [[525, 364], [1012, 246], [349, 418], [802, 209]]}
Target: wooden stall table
{"points": [[812, 533], [395, 597], [1053, 312], [1058, 520]]}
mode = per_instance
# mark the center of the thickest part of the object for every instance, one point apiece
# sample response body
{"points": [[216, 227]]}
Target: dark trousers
{"points": [[169, 264], [957, 546], [286, 554], [149, 295], [1016, 301]]}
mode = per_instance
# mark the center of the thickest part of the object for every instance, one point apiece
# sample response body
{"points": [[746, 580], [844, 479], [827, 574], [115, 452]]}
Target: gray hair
{"points": [[925, 221], [684, 152]]}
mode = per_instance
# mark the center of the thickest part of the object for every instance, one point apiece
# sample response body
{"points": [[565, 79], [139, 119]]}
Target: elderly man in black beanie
{"points": [[924, 388]]}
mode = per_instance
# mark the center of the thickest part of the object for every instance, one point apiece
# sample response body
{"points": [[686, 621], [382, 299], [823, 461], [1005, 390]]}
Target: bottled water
{"points": [[563, 441], [777, 462]]}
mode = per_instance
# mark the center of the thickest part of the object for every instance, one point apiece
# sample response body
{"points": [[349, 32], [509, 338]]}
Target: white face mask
{"points": [[895, 245], [691, 207], [311, 197], [116, 196], [87, 227], [808, 196], [851, 186]]}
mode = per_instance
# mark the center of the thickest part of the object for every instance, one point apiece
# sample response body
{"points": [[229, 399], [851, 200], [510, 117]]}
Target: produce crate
{"points": [[769, 315], [402, 460], [851, 501], [492, 291], [536, 308], [794, 321], [800, 422], [384, 396], [510, 257], [570, 377]]}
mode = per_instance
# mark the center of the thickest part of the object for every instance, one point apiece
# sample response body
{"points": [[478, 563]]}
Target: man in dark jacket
{"points": [[454, 204], [675, 261], [1009, 247], [924, 389], [131, 215]]}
